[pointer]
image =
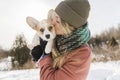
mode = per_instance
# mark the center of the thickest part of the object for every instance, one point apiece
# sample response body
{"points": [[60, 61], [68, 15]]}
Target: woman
{"points": [[73, 57]]}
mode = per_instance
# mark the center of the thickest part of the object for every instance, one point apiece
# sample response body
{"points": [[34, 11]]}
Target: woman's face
{"points": [[56, 22]]}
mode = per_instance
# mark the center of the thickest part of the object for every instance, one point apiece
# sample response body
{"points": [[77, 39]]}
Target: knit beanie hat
{"points": [[74, 12]]}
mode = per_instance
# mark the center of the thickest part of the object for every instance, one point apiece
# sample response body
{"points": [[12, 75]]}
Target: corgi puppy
{"points": [[44, 30]]}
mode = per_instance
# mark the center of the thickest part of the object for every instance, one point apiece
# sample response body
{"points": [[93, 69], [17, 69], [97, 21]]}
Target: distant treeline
{"points": [[106, 44], [110, 37]]}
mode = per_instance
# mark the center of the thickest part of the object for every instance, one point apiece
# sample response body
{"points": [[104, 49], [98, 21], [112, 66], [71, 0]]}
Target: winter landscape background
{"points": [[98, 71], [15, 59]]}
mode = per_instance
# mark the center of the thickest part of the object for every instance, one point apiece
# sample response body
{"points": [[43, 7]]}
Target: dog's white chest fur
{"points": [[36, 41]]}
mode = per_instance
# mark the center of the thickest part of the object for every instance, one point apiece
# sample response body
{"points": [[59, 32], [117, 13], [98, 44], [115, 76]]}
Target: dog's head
{"points": [[44, 29]]}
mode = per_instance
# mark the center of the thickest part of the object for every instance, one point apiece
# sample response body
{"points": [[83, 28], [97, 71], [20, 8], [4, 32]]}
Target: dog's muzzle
{"points": [[47, 36]]}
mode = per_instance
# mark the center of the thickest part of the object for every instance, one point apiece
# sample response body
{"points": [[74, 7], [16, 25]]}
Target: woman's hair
{"points": [[58, 59]]}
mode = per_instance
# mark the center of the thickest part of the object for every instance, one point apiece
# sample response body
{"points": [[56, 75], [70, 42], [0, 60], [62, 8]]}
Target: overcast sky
{"points": [[103, 15]]}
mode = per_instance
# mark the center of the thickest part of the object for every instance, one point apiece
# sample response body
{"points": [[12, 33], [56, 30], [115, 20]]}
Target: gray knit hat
{"points": [[74, 12]]}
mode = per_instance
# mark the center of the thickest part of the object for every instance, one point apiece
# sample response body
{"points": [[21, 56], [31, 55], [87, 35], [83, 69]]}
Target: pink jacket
{"points": [[76, 66]]}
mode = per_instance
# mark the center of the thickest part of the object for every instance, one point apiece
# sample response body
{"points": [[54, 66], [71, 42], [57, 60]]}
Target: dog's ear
{"points": [[32, 22], [53, 16], [50, 14]]}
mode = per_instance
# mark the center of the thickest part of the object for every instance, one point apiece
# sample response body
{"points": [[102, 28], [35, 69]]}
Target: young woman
{"points": [[73, 57]]}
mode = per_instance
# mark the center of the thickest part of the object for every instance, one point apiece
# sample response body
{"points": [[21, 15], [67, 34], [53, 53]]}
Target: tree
{"points": [[113, 42], [20, 51], [3, 53]]}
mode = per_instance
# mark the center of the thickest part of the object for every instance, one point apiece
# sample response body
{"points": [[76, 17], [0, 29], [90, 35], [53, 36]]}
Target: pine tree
{"points": [[20, 51]]}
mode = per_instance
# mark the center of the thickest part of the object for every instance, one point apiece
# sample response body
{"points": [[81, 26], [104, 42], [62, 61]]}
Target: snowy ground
{"points": [[105, 71], [98, 71], [32, 74]]}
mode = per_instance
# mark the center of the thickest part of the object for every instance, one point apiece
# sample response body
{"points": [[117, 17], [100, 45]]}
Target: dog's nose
{"points": [[47, 36]]}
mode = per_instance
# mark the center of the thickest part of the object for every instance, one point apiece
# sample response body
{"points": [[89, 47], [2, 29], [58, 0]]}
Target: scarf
{"points": [[77, 38]]}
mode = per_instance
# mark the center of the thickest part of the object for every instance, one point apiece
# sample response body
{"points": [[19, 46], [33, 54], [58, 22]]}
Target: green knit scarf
{"points": [[73, 41]]}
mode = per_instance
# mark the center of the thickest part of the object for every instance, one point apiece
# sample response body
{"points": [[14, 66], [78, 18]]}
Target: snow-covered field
{"points": [[105, 71], [98, 71], [32, 74]]}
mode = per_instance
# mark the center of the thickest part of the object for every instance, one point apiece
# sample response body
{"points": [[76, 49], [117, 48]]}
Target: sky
{"points": [[103, 15]]}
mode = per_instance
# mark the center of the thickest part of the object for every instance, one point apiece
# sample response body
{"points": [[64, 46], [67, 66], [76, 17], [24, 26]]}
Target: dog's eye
{"points": [[50, 28], [42, 30]]}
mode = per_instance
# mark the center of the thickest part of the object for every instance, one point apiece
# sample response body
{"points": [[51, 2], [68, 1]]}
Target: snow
{"points": [[105, 71], [98, 71], [32, 74], [6, 64]]}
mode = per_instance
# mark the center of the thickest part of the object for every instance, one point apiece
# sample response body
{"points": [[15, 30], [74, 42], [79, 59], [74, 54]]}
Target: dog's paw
{"points": [[47, 50], [48, 47]]}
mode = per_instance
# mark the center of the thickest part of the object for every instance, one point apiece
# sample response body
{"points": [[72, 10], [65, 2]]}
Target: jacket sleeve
{"points": [[76, 67]]}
